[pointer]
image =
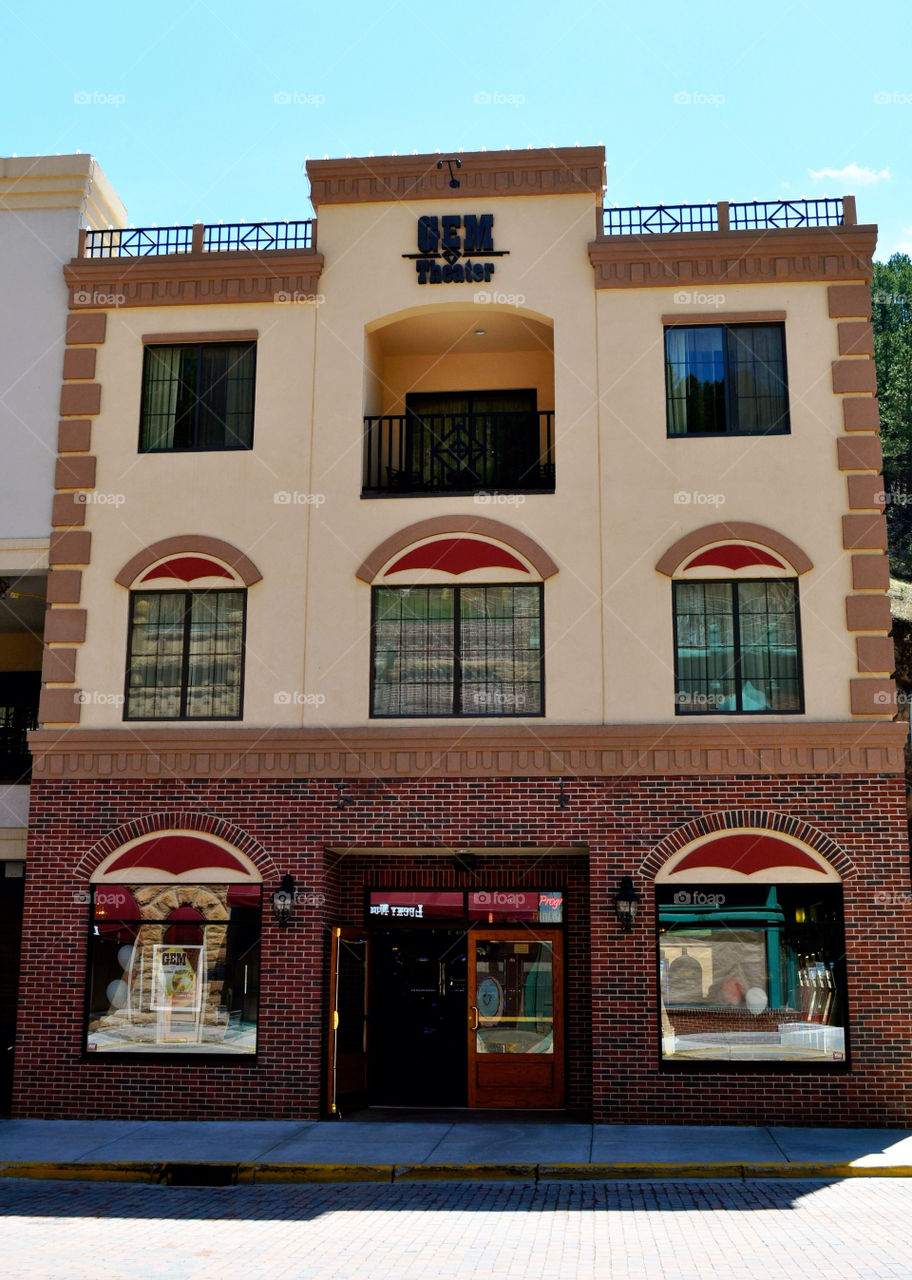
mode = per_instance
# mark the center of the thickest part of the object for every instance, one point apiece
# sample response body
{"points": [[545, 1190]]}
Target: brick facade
{"points": [[612, 1010]]}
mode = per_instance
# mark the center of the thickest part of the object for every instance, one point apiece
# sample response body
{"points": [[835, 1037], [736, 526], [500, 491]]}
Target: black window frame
{"points": [[198, 393], [457, 682], [730, 399], [680, 708], [188, 595]]}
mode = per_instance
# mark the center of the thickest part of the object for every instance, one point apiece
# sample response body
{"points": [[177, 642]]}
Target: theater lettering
{"points": [[449, 246]]}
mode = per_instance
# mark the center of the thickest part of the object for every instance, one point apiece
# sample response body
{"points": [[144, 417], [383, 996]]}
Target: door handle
{"points": [[474, 1026]]}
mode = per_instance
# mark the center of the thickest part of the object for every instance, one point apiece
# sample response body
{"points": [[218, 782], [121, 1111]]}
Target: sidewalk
{"points": [[446, 1147]]}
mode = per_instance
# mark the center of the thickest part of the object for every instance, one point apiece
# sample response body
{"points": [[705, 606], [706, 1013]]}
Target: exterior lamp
{"points": [[283, 902], [626, 901]]}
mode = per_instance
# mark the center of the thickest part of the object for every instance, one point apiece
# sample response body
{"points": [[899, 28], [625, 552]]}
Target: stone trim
{"points": [[850, 299], [854, 373], [193, 279], [75, 471], [732, 531], [868, 613], [859, 453], [198, 823], [217, 335], [870, 573], [724, 317], [739, 819], [74, 435], [534, 172], [86, 329], [65, 626], [66, 512], [79, 362], [64, 586], [662, 750], [864, 533], [80, 398], [856, 338], [873, 697], [70, 548], [481, 525], [875, 653], [193, 543], [866, 493], [701, 258], [58, 666], [59, 705], [860, 413]]}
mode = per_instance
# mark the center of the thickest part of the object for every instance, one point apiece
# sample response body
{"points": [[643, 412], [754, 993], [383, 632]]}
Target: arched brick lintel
{"points": [[758, 819], [481, 525], [194, 543], [198, 823], [732, 531]]}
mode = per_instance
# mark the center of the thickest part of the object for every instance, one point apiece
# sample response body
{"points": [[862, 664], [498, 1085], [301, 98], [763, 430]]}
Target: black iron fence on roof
{"points": [[738, 215], [227, 237]]}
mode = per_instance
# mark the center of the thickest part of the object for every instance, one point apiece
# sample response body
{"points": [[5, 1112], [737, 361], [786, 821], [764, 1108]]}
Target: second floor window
{"points": [[457, 651], [198, 396], [185, 657], [726, 379], [737, 647]]}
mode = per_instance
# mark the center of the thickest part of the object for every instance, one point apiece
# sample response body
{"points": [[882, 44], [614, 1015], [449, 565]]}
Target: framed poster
{"points": [[177, 978]]}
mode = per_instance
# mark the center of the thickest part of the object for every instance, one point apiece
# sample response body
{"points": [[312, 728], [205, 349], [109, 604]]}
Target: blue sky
{"points": [[200, 109]]}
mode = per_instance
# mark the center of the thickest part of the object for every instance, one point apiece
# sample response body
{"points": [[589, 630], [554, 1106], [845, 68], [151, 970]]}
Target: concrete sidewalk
{"points": [[445, 1147]]}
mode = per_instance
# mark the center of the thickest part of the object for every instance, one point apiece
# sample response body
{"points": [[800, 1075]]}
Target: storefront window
{"points": [[174, 968], [752, 973]]}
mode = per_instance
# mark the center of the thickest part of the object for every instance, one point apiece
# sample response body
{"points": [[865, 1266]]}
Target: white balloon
{"points": [[756, 999], [125, 955], [116, 992]]}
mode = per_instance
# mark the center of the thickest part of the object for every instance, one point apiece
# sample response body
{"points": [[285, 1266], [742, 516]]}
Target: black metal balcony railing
{"points": [[459, 453], [734, 216], [15, 757], [230, 237]]}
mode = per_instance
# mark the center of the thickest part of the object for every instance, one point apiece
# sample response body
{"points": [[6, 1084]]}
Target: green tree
{"points": [[891, 297]]}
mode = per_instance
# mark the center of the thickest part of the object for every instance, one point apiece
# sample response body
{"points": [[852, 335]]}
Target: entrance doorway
{"points": [[466, 1018]]}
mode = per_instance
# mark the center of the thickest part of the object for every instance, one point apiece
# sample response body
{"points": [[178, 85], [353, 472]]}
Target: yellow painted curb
{"points": [[263, 1173], [141, 1171], [617, 1171], [465, 1172]]}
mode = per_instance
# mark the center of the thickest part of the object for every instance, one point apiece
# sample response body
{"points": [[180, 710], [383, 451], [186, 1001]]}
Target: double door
{"points": [[438, 1017]]}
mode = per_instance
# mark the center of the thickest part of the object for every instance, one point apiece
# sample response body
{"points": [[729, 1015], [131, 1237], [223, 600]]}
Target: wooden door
{"points": [[347, 1075], [516, 1018]]}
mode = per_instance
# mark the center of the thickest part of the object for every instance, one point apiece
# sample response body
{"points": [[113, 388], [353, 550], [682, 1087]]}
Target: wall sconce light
{"points": [[342, 800], [463, 860], [563, 800], [283, 902], [626, 901], [454, 182]]}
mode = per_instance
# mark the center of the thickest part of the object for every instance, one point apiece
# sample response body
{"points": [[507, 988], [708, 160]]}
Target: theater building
{"points": [[468, 676]]}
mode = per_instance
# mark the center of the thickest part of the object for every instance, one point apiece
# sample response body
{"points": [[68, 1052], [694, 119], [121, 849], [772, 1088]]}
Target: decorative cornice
{"points": [[184, 279], [735, 531], [773, 256], [483, 526], [678, 749], [545, 171], [193, 544]]}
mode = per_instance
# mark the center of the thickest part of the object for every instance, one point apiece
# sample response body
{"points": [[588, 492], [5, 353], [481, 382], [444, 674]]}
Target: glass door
{"points": [[515, 1024], [347, 1075]]}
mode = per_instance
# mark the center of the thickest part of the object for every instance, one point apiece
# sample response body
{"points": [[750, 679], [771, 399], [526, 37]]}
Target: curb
{"points": [[227, 1174]]}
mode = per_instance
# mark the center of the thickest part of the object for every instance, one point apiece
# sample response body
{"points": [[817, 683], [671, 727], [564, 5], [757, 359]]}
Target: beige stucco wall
{"points": [[608, 628]]}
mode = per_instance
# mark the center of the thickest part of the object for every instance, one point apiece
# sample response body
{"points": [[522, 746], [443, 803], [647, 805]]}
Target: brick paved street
{"points": [[672, 1231]]}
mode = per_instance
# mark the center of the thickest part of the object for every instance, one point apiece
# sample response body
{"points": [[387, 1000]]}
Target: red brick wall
{"points": [[619, 819]]}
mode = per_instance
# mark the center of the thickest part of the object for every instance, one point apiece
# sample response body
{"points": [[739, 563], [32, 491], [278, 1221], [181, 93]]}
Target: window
{"points": [[185, 655], [737, 647], [174, 968], [726, 379], [19, 693], [457, 651], [752, 972], [198, 396]]}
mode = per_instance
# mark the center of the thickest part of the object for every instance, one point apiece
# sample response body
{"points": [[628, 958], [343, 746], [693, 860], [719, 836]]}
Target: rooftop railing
{"points": [[228, 237], [742, 215]]}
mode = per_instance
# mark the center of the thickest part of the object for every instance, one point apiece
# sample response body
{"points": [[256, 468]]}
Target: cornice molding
{"points": [[544, 171], [678, 749], [182, 279], [770, 256]]}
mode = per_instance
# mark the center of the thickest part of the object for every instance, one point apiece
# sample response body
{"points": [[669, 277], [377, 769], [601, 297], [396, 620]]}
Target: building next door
{"points": [[516, 1023]]}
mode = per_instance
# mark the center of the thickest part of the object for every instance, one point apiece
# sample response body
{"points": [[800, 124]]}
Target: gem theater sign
{"points": [[449, 248]]}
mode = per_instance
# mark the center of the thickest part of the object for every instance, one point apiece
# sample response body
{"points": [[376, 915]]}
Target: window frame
{"points": [[785, 427], [680, 709], [456, 588], [757, 1066], [188, 593], [199, 347], [171, 1051]]}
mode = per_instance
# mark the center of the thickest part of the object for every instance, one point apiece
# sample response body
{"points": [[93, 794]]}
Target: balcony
{"points": [[459, 453]]}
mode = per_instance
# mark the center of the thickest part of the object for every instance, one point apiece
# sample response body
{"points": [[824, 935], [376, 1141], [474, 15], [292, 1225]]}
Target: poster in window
{"points": [[176, 978]]}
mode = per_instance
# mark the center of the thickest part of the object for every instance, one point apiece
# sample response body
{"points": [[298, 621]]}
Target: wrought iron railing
{"points": [[459, 453], [230, 237], [735, 216], [760, 214]]}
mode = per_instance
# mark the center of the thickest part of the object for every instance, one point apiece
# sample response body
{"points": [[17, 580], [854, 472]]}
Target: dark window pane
{"points": [[726, 378], [198, 396]]}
